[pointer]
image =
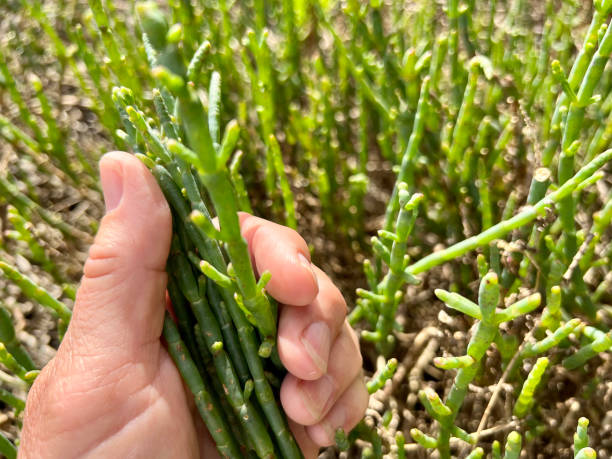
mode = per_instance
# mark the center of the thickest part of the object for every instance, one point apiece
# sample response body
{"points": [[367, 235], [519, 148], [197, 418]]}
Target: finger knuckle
{"points": [[334, 299], [293, 235], [104, 258]]}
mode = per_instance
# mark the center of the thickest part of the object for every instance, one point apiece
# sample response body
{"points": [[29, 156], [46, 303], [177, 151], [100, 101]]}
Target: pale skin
{"points": [[112, 389]]}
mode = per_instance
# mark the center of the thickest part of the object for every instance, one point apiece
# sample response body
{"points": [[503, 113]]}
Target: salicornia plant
{"points": [[418, 147]]}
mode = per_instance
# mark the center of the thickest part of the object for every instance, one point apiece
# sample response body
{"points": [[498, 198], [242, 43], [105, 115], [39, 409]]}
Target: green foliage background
{"points": [[402, 139]]}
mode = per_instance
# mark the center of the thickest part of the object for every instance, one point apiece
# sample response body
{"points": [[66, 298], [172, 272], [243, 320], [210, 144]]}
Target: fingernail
{"points": [[315, 395], [317, 341], [112, 185], [305, 262]]}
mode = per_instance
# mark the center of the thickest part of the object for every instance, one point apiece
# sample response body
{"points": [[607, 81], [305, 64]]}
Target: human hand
{"points": [[113, 391]]}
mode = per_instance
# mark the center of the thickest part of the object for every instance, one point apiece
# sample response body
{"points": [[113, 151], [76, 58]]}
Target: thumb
{"points": [[120, 303]]}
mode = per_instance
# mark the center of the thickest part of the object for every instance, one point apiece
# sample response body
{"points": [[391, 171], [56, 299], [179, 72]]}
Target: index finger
{"points": [[284, 253]]}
